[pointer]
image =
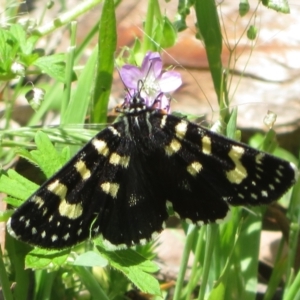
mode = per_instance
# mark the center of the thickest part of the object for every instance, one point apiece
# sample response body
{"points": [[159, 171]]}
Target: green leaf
{"points": [[20, 35], [8, 49], [80, 100], [106, 51], [91, 259], [135, 267], [13, 201], [22, 152], [165, 34], [17, 186], [53, 65], [46, 156], [41, 258], [29, 59], [5, 215], [209, 27]]}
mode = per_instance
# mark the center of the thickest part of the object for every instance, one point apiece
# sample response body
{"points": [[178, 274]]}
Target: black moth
{"points": [[120, 183]]}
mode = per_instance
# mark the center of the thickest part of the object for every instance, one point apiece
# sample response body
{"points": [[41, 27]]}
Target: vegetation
{"points": [[224, 266]]}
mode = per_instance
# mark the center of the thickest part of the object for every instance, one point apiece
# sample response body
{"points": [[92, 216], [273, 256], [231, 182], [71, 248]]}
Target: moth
{"points": [[121, 183]]}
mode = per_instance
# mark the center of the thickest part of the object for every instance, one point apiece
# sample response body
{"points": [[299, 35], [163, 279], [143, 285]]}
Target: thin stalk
{"points": [[5, 286], [195, 267], [211, 232], [67, 17], [69, 71], [184, 261]]}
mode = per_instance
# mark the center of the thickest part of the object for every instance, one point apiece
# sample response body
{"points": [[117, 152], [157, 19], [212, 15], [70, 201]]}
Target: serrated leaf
{"points": [[91, 259], [13, 201], [20, 35], [134, 266], [26, 154], [41, 258], [53, 65], [46, 156], [8, 49], [17, 186], [26, 42]]}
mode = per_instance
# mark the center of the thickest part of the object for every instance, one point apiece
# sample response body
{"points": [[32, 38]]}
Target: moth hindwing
{"points": [[119, 184]]}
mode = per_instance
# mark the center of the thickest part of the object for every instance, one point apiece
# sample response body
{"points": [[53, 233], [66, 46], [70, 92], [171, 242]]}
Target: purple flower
{"points": [[150, 81]]}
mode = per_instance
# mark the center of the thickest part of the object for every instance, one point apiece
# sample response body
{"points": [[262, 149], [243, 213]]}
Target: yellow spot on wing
{"points": [[114, 130], [82, 170], [163, 121], [239, 173], [116, 159], [38, 200], [173, 147], [181, 129], [58, 189], [101, 147], [194, 168], [110, 188], [71, 211], [206, 145]]}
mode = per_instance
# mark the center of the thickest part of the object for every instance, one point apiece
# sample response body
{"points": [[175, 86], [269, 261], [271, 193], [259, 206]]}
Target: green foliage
{"points": [[106, 49], [223, 261], [42, 259]]}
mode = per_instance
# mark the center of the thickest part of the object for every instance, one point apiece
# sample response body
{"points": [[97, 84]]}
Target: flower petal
{"points": [[170, 81], [165, 103], [152, 65], [130, 76]]}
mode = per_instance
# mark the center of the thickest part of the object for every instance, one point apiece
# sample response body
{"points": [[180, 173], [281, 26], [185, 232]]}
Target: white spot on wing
{"points": [[38, 200], [134, 199], [259, 157], [27, 223], [272, 187], [66, 236], [254, 196], [54, 238]]}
